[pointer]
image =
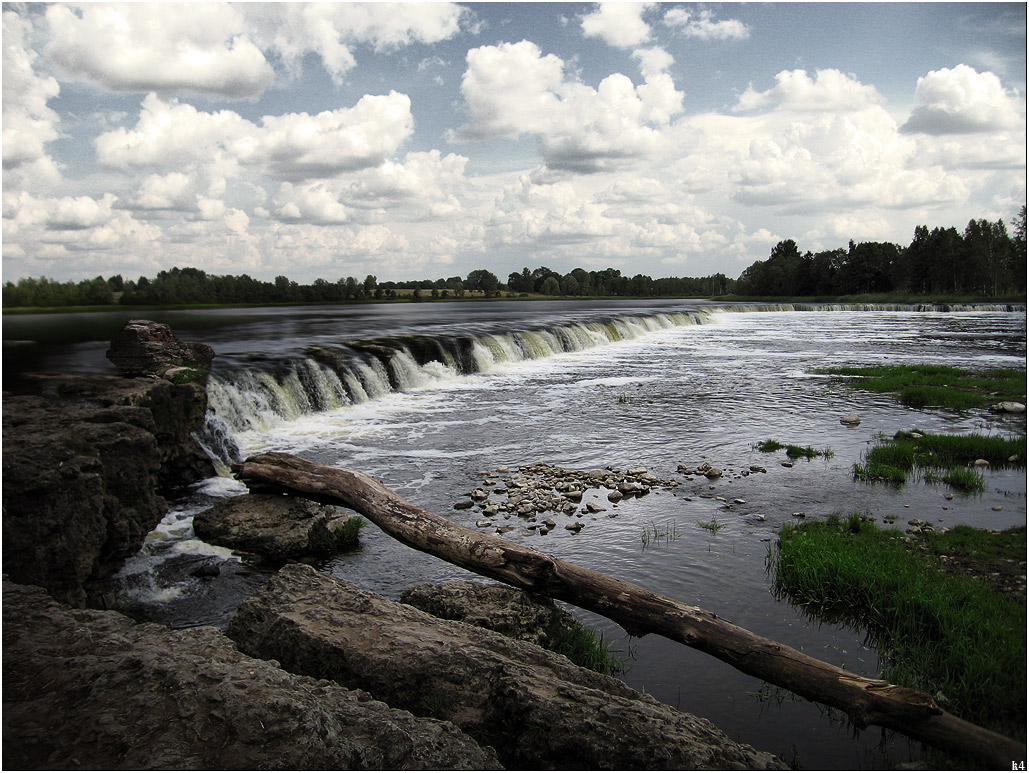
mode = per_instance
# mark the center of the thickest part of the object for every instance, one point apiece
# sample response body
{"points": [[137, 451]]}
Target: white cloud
{"points": [[164, 47], [294, 146], [963, 101], [618, 24], [795, 90], [701, 25], [299, 146], [28, 122], [513, 89], [174, 191], [332, 30], [310, 203]]}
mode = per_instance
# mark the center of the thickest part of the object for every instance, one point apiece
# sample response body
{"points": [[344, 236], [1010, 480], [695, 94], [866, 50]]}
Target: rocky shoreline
{"points": [[314, 672]]}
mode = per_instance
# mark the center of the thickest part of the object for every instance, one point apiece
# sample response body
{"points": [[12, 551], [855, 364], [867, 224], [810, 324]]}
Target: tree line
{"points": [[195, 286], [982, 261]]}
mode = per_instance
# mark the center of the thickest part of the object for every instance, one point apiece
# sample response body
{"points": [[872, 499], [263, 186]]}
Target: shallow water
{"points": [[656, 396]]}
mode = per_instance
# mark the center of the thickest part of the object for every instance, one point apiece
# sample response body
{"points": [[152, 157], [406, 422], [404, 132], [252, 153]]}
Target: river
{"points": [[427, 397]]}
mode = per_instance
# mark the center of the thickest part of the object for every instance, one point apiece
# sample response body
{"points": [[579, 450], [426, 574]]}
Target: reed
{"points": [[951, 635]]}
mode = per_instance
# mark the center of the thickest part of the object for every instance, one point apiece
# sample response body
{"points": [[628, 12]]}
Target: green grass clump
{"points": [[793, 451], [712, 526], [347, 533], [581, 646], [942, 458], [922, 386], [945, 633]]}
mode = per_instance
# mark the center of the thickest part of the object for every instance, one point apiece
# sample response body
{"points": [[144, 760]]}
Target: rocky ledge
{"points": [[92, 689], [537, 709], [86, 460]]}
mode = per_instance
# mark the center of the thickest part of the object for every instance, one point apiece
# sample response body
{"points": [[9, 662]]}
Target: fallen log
{"points": [[638, 610]]}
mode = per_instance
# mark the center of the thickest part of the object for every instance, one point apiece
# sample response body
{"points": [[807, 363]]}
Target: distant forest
{"points": [[984, 261]]}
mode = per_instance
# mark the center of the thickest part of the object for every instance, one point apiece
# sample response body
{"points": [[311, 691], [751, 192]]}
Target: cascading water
{"points": [[328, 378]]}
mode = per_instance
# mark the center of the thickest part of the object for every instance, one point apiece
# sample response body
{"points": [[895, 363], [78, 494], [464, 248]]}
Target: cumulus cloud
{"points": [[293, 146], [963, 101], [332, 30], [299, 146], [423, 186], [29, 123], [618, 24], [513, 89], [701, 25], [141, 47], [173, 191], [795, 90]]}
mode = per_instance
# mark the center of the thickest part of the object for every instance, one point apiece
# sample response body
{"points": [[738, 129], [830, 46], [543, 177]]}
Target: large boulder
{"points": [[536, 708], [91, 689], [79, 494], [501, 608], [178, 411], [146, 348], [277, 528]]}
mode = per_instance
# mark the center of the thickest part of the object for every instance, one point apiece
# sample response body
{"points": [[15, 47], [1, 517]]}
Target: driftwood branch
{"points": [[638, 610]]}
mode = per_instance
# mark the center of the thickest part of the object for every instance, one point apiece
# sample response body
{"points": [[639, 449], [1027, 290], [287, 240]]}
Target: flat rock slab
{"points": [[275, 527], [91, 689], [536, 708], [501, 608]]}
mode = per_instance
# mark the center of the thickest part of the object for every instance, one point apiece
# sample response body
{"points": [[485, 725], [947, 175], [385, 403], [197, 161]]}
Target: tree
{"points": [[484, 281], [551, 286], [369, 286], [569, 285]]}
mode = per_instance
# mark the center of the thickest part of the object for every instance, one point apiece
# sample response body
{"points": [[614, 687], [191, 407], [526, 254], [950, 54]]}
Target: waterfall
{"points": [[329, 378]]}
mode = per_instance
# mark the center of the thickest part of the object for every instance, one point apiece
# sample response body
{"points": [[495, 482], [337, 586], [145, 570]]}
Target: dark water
{"points": [[445, 392]]}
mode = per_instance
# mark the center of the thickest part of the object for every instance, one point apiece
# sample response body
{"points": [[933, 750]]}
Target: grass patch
{"points": [[347, 533], [581, 646], [712, 526], [793, 451], [938, 386], [941, 458], [943, 632]]}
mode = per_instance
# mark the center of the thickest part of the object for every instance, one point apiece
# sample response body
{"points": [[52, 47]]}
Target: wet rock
{"points": [[713, 473], [464, 505], [534, 707], [275, 527], [979, 463], [1009, 407], [575, 527], [850, 420], [615, 496], [501, 608], [79, 494], [92, 689], [146, 348]]}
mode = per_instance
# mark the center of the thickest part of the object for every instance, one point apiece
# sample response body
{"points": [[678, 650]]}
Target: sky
{"points": [[424, 140]]}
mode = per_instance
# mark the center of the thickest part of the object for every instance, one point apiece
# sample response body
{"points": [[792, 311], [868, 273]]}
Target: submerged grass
{"points": [[949, 634], [656, 534], [793, 451], [942, 386], [941, 458]]}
